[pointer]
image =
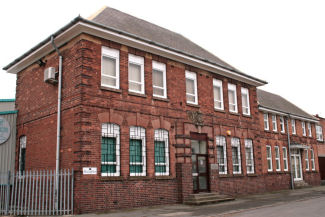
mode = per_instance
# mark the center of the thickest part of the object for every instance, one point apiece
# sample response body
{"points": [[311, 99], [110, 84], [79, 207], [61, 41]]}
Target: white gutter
{"points": [[82, 27]]}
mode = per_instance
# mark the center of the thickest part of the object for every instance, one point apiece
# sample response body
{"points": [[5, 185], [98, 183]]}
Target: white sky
{"points": [[282, 42]]}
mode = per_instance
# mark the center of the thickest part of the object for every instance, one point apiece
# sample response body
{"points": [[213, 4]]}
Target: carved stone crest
{"points": [[195, 117]]}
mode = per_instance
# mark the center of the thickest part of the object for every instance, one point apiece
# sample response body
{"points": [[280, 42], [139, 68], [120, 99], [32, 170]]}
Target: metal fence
{"points": [[34, 193]]}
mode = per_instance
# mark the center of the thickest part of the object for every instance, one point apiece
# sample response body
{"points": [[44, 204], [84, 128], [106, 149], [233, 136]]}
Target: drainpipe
{"points": [[58, 131], [289, 144]]}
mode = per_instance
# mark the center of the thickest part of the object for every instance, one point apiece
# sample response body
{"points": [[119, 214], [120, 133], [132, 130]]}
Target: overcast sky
{"points": [[282, 42]]}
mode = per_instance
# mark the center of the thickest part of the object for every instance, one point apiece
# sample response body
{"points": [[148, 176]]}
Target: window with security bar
{"points": [[222, 154], [249, 156], [236, 160], [161, 153], [110, 150], [137, 151]]}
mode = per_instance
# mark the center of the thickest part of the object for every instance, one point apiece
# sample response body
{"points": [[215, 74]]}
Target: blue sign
{"points": [[4, 130]]}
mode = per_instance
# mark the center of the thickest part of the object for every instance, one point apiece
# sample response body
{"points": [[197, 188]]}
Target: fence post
{"points": [[7, 194]]}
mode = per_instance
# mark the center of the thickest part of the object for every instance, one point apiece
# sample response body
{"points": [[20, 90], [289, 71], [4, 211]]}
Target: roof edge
{"points": [[80, 19]]}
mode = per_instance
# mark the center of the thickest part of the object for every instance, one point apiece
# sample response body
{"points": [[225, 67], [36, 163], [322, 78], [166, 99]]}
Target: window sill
{"points": [[234, 113], [164, 177], [160, 99], [111, 89], [138, 178], [247, 116], [137, 94], [237, 175], [193, 105], [251, 175], [111, 178], [219, 110]]}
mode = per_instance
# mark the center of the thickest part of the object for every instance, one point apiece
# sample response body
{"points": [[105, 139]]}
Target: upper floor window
{"points": [[159, 79], [266, 121], [222, 154], [161, 153], [245, 101], [110, 68], [137, 151], [236, 159], [293, 126], [306, 159], [303, 126], [249, 156], [274, 124], [136, 74], [319, 133], [191, 87], [312, 159], [232, 96], [22, 154], [277, 158], [269, 158], [285, 158], [282, 124], [110, 150], [309, 129], [217, 94]]}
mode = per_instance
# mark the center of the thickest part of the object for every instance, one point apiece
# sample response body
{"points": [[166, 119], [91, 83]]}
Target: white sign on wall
{"points": [[89, 170], [4, 130]]}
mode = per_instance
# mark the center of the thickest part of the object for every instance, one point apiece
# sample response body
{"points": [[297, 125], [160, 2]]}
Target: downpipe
{"points": [[58, 130], [289, 158]]}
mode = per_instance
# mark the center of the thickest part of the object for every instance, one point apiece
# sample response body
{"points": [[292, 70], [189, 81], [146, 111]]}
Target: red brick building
{"points": [[156, 115], [321, 146]]}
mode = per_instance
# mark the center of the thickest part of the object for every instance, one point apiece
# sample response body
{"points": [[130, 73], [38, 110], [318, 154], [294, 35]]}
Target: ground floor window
{"points": [[137, 151], [22, 154], [277, 158], [110, 150], [249, 156], [285, 158], [236, 160], [161, 152], [312, 159], [306, 159], [222, 154]]}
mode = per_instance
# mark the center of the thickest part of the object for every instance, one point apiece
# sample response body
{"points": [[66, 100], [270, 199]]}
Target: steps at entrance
{"points": [[206, 198], [301, 184]]}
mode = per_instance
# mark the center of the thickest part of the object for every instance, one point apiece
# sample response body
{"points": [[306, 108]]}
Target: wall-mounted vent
{"points": [[49, 75]]}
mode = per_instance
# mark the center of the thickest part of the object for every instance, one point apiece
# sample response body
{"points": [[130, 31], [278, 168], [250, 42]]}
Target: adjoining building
{"points": [[8, 116], [321, 146], [148, 117]]}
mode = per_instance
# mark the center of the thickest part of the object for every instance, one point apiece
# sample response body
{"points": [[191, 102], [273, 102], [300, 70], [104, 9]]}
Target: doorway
{"points": [[200, 173], [296, 164]]}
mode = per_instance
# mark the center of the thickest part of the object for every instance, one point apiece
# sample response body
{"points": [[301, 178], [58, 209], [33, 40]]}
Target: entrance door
{"points": [[296, 164], [199, 166]]}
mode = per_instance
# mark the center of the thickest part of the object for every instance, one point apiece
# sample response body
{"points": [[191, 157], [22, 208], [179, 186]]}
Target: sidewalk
{"points": [[241, 203]]}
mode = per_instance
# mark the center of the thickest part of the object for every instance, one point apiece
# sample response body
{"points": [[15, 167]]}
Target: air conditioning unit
{"points": [[49, 75]]}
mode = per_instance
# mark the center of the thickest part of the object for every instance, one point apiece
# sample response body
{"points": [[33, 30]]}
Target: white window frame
{"points": [[136, 60], [293, 126], [192, 76], [306, 160], [245, 91], [232, 87], [218, 84], [277, 158], [249, 144], [221, 141], [111, 130], [160, 67], [319, 133], [285, 158], [269, 149], [113, 54], [266, 121], [235, 142], [162, 136], [303, 126], [312, 159], [282, 124], [309, 129], [274, 123], [136, 133]]}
